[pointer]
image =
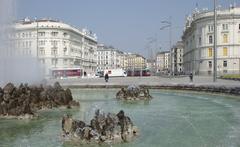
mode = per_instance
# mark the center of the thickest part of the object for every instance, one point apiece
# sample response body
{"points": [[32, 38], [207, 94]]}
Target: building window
{"points": [[200, 41], [210, 39], [225, 38], [54, 61], [42, 51], [65, 51], [65, 34], [225, 51], [210, 52], [224, 63], [225, 27], [210, 28], [41, 42], [65, 61], [54, 34], [54, 43], [54, 51], [41, 34], [210, 64]]}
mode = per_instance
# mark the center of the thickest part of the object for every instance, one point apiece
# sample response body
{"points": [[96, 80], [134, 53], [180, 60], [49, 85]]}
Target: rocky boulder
{"points": [[25, 100], [110, 128], [133, 93]]}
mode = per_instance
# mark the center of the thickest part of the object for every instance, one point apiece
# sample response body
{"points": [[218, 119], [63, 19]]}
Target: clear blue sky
{"points": [[124, 24]]}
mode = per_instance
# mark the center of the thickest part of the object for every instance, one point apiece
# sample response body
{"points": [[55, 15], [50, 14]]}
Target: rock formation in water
{"points": [[133, 93], [25, 100], [110, 128]]}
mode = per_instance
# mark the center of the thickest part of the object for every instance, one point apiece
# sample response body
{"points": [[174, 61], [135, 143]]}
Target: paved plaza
{"points": [[151, 81]]}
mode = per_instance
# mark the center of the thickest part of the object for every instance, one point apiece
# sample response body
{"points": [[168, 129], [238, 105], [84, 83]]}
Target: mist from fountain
{"points": [[15, 65]]}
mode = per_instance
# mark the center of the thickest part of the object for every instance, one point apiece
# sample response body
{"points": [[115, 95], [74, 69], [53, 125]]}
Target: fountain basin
{"points": [[172, 119]]}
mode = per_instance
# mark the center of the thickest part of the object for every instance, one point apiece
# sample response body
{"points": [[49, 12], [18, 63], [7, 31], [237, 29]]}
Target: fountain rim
{"points": [[206, 89]]}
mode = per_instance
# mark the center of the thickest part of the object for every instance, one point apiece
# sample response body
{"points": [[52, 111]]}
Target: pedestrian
{"points": [[191, 77], [106, 77]]}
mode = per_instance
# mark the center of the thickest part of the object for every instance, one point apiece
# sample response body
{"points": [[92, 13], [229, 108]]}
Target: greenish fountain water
{"points": [[171, 119]]}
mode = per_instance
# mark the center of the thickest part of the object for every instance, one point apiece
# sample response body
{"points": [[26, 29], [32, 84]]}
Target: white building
{"points": [[108, 57], [177, 58], [151, 65], [63, 49], [198, 41], [135, 62], [163, 61]]}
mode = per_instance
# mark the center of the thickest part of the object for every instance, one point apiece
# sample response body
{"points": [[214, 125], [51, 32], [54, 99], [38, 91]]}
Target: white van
{"points": [[115, 72]]}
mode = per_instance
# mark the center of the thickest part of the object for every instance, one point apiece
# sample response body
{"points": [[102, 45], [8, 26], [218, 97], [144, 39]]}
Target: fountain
{"points": [[110, 128], [133, 93], [15, 66], [172, 118], [24, 101]]}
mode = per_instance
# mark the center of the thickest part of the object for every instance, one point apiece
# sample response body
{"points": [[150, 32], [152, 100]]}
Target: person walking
{"points": [[106, 77], [191, 77]]}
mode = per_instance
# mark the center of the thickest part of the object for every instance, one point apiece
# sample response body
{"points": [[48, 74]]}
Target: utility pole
{"points": [[170, 45], [169, 25], [215, 44]]}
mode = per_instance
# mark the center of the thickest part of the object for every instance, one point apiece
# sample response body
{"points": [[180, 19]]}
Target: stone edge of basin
{"points": [[233, 90]]}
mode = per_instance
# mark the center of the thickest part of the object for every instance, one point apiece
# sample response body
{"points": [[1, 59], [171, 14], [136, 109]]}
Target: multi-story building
{"points": [[162, 61], [198, 39], [135, 62], [62, 49], [108, 57], [177, 58], [123, 60], [151, 65]]}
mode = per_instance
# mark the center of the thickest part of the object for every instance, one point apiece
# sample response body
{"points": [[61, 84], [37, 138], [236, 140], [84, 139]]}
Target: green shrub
{"points": [[237, 76]]}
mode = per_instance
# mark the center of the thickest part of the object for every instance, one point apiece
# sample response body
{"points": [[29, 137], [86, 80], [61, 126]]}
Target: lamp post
{"points": [[168, 24], [150, 46], [215, 44]]}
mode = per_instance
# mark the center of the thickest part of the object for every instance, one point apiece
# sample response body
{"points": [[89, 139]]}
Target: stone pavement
{"points": [[150, 81]]}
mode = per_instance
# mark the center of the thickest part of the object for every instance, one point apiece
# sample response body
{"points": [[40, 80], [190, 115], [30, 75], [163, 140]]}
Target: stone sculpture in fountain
{"points": [[110, 129], [133, 93], [22, 102]]}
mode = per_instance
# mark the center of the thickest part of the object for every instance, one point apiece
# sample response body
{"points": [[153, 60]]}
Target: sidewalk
{"points": [[149, 81]]}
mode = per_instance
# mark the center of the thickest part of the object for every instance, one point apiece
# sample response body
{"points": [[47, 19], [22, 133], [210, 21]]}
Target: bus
{"points": [[138, 73], [67, 73]]}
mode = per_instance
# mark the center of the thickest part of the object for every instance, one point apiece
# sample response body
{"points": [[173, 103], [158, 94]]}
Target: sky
{"points": [[129, 25]]}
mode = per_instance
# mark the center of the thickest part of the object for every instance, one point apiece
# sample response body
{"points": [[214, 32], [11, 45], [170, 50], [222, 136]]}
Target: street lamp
{"points": [[215, 44], [168, 24], [150, 46]]}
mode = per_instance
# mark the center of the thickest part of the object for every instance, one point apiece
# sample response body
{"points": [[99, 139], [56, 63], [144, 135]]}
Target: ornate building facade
{"points": [[198, 39], [63, 50]]}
